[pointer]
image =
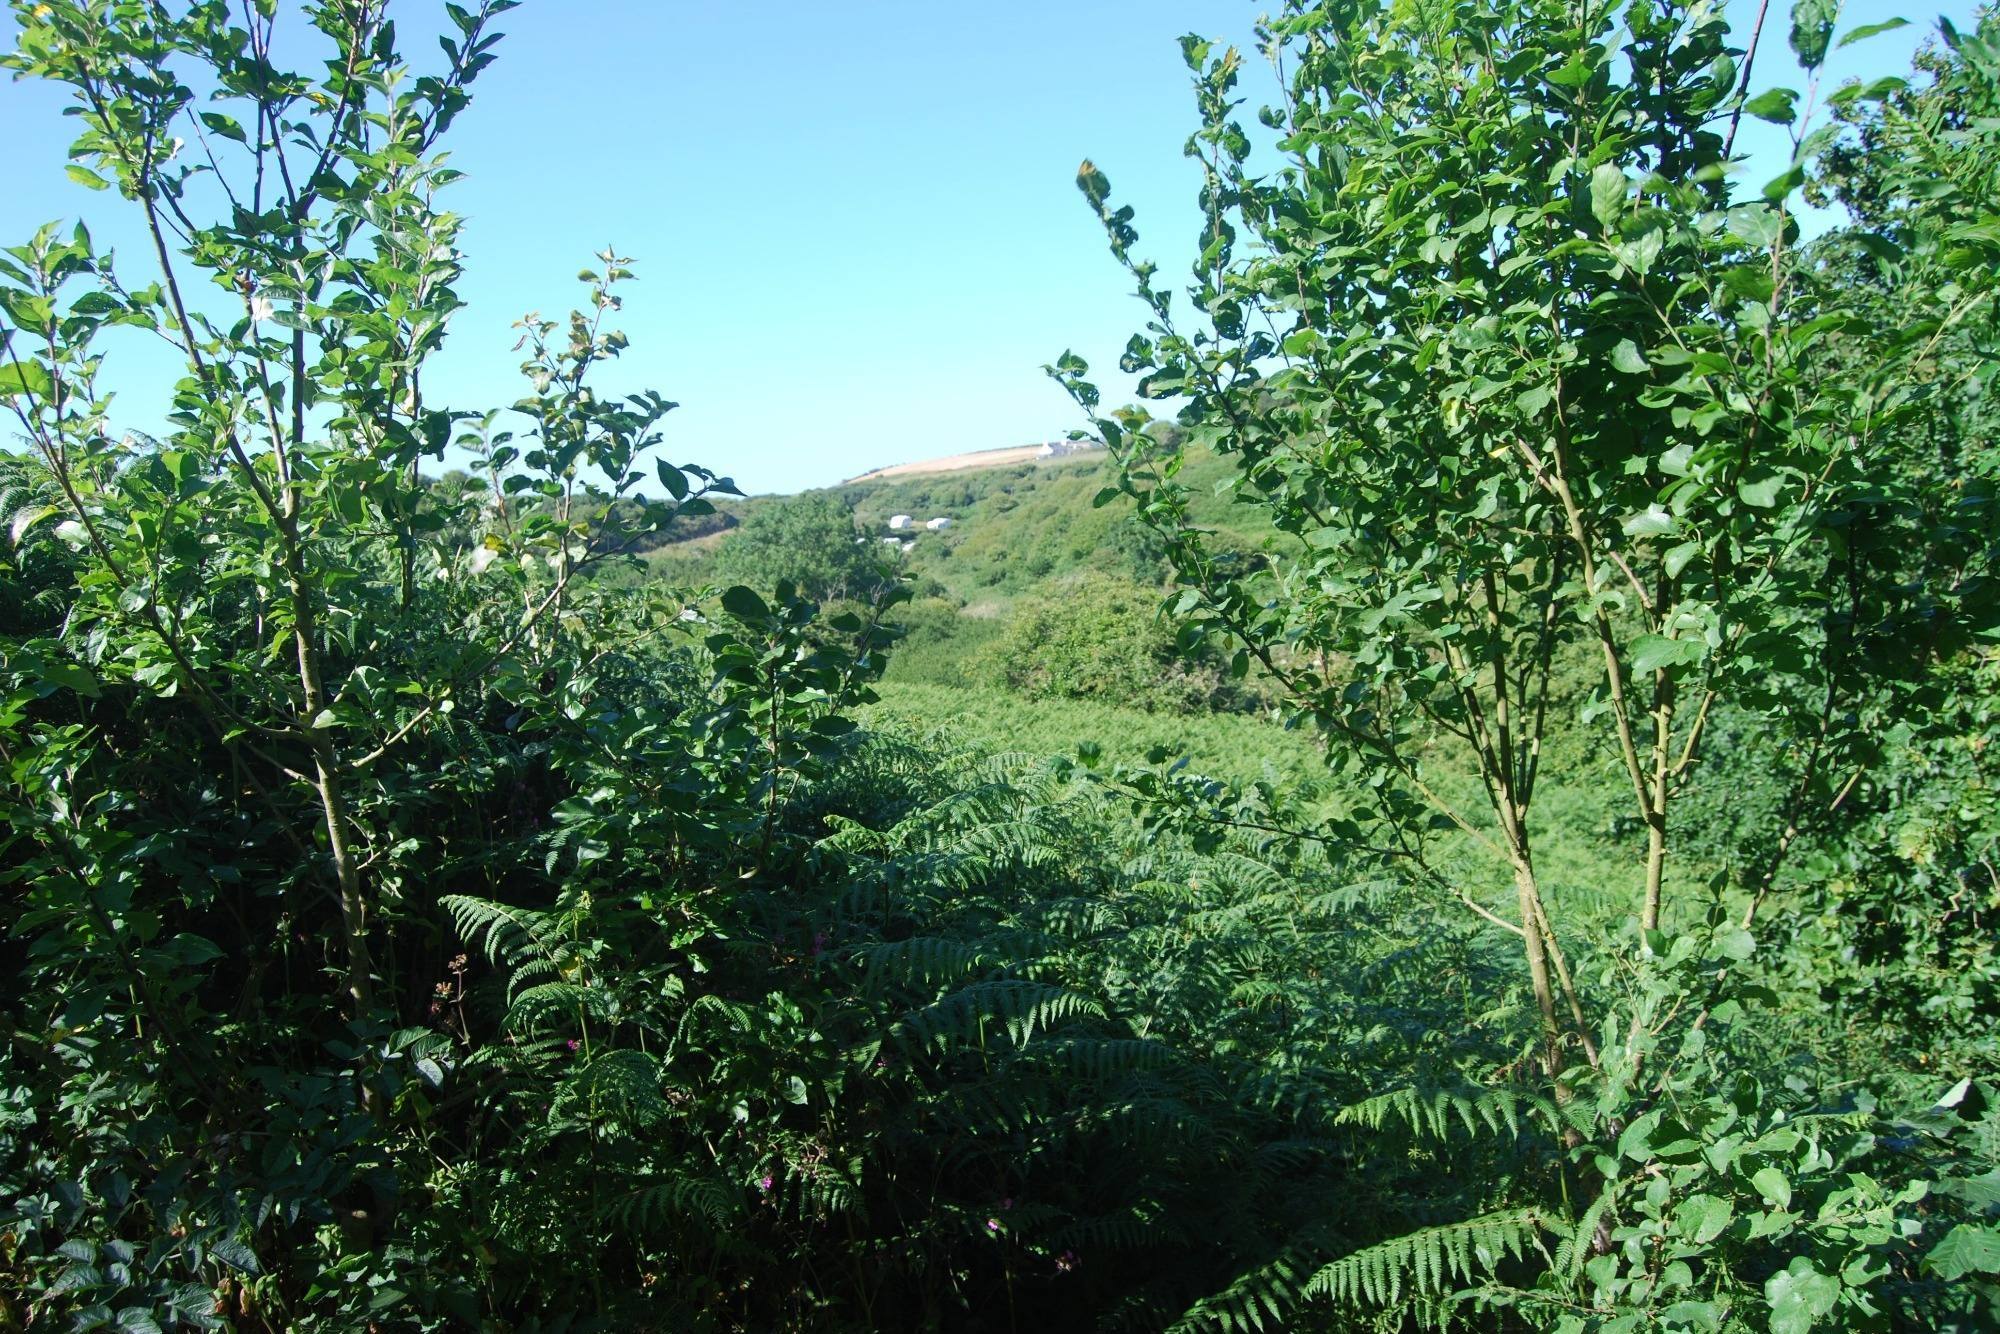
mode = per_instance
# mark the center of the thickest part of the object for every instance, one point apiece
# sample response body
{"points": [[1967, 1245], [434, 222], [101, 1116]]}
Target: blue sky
{"points": [[855, 226]]}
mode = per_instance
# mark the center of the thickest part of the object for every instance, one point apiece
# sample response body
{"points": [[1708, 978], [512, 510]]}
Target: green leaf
{"points": [[1773, 104], [1704, 1316], [1636, 1142], [84, 176], [192, 951], [1780, 187], [1651, 653], [24, 377], [1812, 29], [225, 126], [1574, 73], [180, 464], [1800, 1296], [1773, 1186], [1969, 1248], [1880, 248], [1627, 357], [234, 1254], [1701, 1218], [1653, 521], [27, 518], [67, 675], [1756, 225], [1761, 492], [743, 603], [1733, 942], [1608, 187], [1981, 1192], [96, 303], [1868, 30]]}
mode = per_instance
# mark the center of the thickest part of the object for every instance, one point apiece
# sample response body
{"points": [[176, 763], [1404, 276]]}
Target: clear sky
{"points": [[855, 225]]}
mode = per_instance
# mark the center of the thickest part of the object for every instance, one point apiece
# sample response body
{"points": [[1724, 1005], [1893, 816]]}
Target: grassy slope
{"points": [[1015, 528], [1584, 862], [1012, 527], [1230, 746]]}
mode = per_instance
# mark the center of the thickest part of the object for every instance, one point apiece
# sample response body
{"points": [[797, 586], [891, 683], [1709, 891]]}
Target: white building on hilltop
{"points": [[1056, 449], [898, 522], [938, 525]]}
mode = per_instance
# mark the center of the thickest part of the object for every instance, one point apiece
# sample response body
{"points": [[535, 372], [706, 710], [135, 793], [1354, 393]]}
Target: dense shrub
{"points": [[407, 926], [1100, 637], [810, 541]]}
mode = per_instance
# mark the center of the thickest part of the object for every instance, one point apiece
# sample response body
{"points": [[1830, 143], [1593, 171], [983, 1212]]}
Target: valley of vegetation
{"points": [[1476, 809]]}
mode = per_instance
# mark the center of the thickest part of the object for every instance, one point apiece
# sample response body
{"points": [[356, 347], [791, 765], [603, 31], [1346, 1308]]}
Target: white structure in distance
{"points": [[938, 525], [1056, 449], [898, 522]]}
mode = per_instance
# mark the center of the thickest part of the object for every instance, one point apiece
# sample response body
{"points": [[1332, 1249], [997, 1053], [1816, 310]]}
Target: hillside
{"points": [[1013, 525], [980, 458], [1036, 622]]}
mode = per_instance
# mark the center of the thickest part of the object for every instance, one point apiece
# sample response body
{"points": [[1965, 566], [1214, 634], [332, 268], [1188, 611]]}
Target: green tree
{"points": [[810, 541], [1497, 342]]}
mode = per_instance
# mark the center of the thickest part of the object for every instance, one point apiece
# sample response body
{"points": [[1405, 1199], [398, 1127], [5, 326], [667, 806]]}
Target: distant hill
{"points": [[1017, 522], [1052, 452]]}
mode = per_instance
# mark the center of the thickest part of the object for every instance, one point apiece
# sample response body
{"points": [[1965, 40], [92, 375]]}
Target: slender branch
{"points": [[1743, 85]]}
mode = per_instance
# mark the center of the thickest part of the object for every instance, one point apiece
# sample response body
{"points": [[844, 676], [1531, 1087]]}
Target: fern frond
{"points": [[1126, 1230], [653, 1200], [1434, 1110], [548, 1003], [618, 1085], [1426, 1260], [1019, 1007], [924, 960], [1104, 1058], [1260, 1300], [511, 935], [1580, 1244]]}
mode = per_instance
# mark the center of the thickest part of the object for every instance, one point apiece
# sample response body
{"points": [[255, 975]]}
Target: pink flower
{"points": [[571, 1044], [992, 1225], [764, 1182]]}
